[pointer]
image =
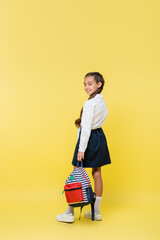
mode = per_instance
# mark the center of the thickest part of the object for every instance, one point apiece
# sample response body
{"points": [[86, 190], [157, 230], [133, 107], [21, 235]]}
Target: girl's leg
{"points": [[98, 187], [98, 183]]}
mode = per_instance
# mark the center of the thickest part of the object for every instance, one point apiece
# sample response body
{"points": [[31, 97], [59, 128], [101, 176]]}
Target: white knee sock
{"points": [[70, 210], [97, 204]]}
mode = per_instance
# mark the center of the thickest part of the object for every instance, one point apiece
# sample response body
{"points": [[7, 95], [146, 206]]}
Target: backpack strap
{"points": [[80, 212], [92, 207], [92, 211], [79, 164]]}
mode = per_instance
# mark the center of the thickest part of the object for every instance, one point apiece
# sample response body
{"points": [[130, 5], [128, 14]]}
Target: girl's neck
{"points": [[94, 94]]}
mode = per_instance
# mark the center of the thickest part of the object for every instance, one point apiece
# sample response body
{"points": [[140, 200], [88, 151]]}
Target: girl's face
{"points": [[90, 85]]}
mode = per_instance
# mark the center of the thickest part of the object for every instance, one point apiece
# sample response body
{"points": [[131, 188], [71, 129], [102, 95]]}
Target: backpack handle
{"points": [[79, 164]]}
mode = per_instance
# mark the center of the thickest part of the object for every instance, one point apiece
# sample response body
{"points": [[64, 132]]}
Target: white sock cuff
{"points": [[99, 197], [70, 209]]}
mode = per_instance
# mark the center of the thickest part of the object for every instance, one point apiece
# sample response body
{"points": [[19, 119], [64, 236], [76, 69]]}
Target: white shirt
{"points": [[93, 116]]}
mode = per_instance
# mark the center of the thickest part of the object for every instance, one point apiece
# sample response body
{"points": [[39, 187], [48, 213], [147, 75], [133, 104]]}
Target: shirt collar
{"points": [[99, 95]]}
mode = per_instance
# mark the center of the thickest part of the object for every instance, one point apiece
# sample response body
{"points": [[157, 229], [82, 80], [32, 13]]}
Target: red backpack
{"points": [[78, 190]]}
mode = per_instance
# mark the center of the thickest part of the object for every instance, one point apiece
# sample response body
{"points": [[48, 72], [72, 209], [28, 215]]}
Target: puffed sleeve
{"points": [[86, 124]]}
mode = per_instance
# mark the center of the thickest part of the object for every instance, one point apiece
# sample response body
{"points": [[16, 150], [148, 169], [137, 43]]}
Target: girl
{"points": [[91, 144]]}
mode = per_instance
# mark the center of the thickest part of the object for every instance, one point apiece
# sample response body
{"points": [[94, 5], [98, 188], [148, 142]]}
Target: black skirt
{"points": [[96, 153]]}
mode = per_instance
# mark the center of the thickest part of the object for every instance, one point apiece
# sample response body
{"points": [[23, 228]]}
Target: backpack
{"points": [[78, 190]]}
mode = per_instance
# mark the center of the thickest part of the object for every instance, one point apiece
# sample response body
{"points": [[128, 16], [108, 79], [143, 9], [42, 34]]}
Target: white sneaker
{"points": [[97, 216], [64, 217]]}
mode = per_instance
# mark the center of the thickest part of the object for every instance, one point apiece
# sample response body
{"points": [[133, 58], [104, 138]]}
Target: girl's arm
{"points": [[80, 156], [86, 124]]}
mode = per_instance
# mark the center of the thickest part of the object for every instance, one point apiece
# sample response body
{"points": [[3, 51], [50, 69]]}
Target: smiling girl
{"points": [[91, 147]]}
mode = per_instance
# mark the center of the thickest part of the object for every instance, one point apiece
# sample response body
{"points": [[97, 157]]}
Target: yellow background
{"points": [[46, 48]]}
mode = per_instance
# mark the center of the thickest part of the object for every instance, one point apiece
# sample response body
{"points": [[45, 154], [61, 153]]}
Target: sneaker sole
{"points": [[96, 218], [66, 221]]}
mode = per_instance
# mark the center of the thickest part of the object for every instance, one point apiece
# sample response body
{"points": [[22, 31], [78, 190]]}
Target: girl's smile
{"points": [[90, 85]]}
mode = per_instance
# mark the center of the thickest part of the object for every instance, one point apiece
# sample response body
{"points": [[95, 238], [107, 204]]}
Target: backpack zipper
{"points": [[72, 189]]}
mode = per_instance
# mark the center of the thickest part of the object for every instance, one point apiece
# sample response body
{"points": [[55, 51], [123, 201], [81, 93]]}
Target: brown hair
{"points": [[98, 78]]}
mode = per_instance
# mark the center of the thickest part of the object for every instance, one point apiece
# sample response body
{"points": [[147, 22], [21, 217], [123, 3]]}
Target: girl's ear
{"points": [[99, 84]]}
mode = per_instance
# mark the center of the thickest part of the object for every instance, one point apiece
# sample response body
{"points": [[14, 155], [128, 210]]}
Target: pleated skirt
{"points": [[97, 152]]}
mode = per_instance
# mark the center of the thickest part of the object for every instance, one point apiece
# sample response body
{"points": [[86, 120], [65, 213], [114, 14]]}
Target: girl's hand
{"points": [[80, 156]]}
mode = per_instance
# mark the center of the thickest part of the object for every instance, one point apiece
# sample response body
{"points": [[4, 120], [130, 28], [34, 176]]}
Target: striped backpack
{"points": [[78, 190]]}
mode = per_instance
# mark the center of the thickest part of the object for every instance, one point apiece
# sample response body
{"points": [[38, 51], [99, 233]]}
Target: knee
{"points": [[96, 173]]}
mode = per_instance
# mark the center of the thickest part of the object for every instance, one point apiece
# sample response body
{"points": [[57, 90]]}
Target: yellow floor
{"points": [[31, 215]]}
